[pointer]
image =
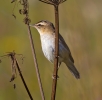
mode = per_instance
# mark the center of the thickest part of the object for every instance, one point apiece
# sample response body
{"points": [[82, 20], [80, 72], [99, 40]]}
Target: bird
{"points": [[46, 30]]}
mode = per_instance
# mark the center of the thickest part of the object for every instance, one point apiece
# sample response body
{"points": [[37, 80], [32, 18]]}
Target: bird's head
{"points": [[44, 27]]}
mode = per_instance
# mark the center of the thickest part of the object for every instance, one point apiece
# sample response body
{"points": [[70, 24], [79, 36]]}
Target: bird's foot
{"points": [[59, 65]]}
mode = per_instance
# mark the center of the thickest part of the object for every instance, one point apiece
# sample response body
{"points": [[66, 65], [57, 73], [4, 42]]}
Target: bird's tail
{"points": [[72, 68]]}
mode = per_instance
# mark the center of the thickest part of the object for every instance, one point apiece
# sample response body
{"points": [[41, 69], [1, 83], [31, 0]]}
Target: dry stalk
{"points": [[55, 3], [25, 11], [14, 66]]}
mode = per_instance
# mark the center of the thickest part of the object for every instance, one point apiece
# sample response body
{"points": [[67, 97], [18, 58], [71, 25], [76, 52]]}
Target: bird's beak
{"points": [[32, 25]]}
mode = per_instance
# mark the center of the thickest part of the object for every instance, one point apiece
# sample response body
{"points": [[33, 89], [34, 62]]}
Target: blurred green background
{"points": [[81, 27]]}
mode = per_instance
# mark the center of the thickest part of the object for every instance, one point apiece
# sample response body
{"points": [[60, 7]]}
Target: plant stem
{"points": [[23, 80], [36, 64], [54, 84]]}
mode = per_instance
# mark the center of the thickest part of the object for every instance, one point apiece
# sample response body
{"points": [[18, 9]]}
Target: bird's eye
{"points": [[39, 25]]}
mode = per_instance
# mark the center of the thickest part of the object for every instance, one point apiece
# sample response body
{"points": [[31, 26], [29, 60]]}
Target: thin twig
{"points": [[25, 11], [36, 64], [55, 3], [55, 72], [46, 2], [23, 80], [15, 63]]}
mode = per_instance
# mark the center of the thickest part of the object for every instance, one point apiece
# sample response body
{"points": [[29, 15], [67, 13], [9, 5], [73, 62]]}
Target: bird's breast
{"points": [[48, 47]]}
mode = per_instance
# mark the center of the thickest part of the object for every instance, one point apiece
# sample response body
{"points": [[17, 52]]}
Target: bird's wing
{"points": [[63, 42]]}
